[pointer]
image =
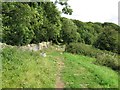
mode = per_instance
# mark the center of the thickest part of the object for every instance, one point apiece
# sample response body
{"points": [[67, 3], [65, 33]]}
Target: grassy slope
{"points": [[80, 72], [29, 69]]}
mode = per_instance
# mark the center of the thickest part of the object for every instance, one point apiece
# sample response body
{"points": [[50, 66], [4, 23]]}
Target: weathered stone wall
{"points": [[34, 47]]}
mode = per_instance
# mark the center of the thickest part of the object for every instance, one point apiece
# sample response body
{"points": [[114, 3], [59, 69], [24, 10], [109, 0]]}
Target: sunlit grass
{"points": [[80, 72], [28, 69]]}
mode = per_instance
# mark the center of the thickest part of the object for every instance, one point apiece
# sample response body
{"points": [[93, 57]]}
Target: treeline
{"points": [[34, 22], [100, 35]]}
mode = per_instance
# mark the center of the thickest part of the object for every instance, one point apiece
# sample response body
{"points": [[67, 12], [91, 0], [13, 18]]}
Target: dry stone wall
{"points": [[36, 47], [33, 47]]}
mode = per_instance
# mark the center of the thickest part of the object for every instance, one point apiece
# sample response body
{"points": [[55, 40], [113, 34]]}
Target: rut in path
{"points": [[59, 82]]}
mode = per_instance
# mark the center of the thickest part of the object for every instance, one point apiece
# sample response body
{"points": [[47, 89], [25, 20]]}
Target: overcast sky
{"points": [[94, 10]]}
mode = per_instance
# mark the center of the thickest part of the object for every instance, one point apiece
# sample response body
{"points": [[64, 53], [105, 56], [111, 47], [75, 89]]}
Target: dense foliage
{"points": [[108, 40], [24, 23], [101, 35], [34, 22], [69, 31], [16, 23]]}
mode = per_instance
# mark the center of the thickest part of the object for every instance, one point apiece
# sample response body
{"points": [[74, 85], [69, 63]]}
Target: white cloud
{"points": [[94, 10]]}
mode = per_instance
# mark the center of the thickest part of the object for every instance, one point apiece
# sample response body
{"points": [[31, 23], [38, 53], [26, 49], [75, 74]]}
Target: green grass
{"points": [[22, 68], [80, 72], [27, 69]]}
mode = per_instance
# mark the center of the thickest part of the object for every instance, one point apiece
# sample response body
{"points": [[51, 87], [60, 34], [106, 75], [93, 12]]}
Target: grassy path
{"points": [[58, 56], [60, 65]]}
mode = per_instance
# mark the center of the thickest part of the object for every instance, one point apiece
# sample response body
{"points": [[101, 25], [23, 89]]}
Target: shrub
{"points": [[108, 60], [104, 58], [80, 48]]}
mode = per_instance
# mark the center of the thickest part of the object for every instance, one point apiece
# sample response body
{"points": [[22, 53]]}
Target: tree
{"points": [[16, 23], [69, 31], [86, 31], [112, 26], [108, 40], [30, 22], [51, 23], [36, 21], [66, 8]]}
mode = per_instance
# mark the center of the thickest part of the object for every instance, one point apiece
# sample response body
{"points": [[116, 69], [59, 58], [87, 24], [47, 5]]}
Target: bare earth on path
{"points": [[59, 82]]}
